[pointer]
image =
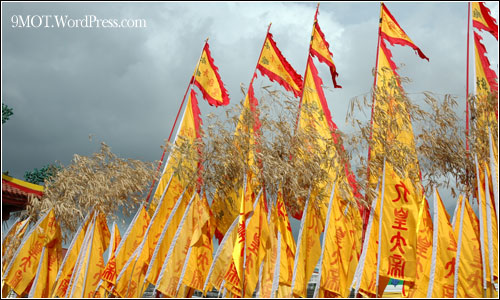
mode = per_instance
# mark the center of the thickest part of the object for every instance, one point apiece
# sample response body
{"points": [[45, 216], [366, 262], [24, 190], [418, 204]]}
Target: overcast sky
{"points": [[124, 85]]}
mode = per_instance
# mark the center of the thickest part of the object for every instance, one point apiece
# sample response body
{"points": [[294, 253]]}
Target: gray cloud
{"points": [[124, 86]]}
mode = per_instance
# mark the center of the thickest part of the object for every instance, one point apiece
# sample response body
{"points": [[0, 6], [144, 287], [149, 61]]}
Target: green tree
{"points": [[39, 176], [6, 113]]}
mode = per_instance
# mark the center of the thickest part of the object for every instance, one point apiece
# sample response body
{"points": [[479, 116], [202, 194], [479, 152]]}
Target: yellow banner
{"points": [[24, 265], [444, 276], [257, 244]]}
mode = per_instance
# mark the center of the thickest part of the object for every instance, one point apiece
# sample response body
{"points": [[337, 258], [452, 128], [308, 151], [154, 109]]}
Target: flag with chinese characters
{"points": [[399, 223], [208, 80], [489, 223], [257, 245], [91, 263], [337, 256], [486, 83], [221, 262], [309, 250], [321, 49], [470, 272], [173, 184], [100, 243], [16, 233], [368, 274], [288, 247], [50, 262], [200, 258], [446, 249], [418, 288], [23, 266], [391, 127], [226, 204], [274, 65], [173, 263], [482, 19], [130, 241], [68, 264], [394, 34]]}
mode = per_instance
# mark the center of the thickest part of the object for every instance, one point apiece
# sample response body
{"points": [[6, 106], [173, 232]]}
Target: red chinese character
{"points": [[400, 219], [474, 279], [448, 291], [314, 224], [450, 264], [332, 280], [405, 192], [399, 239], [396, 266], [202, 259], [453, 243]]}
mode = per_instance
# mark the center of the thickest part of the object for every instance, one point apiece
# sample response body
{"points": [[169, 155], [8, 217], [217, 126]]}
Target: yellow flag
{"points": [[418, 288], [287, 251], [130, 242], [368, 281], [226, 203], [222, 260], [188, 132], [444, 274], [173, 264], [172, 186], [15, 234], [392, 32], [257, 244], [51, 260], [200, 258], [23, 267], [114, 242], [490, 230], [309, 250], [470, 272], [91, 263], [335, 259], [269, 267], [207, 78], [274, 65], [68, 265], [399, 223]]}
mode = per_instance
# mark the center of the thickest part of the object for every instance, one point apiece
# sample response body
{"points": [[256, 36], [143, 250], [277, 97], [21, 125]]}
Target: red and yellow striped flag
{"points": [[393, 33], [208, 80], [274, 65], [482, 19]]}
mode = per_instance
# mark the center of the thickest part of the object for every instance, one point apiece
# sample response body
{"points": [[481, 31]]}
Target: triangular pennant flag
{"points": [[208, 80]]}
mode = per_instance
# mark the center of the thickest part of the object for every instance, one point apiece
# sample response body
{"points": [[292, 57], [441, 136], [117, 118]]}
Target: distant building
{"points": [[15, 194]]}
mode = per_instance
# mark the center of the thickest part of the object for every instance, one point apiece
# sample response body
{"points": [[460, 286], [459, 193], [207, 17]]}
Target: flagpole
{"points": [[175, 121], [380, 230], [365, 216], [467, 84]]}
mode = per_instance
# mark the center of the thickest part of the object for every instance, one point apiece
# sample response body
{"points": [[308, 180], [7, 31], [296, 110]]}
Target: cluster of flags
{"points": [[169, 243]]}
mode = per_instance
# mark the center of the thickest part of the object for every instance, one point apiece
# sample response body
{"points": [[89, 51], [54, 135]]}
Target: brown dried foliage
{"points": [[102, 181]]}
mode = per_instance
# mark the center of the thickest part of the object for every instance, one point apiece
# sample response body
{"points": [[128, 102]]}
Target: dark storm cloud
{"points": [[124, 85]]}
